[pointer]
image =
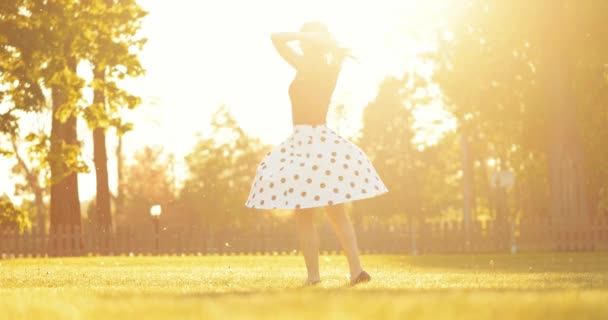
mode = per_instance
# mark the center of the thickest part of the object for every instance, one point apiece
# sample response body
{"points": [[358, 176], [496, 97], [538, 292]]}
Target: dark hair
{"points": [[320, 27], [314, 26]]}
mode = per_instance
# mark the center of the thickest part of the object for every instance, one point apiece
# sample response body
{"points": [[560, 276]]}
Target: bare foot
{"points": [[311, 282], [361, 278]]}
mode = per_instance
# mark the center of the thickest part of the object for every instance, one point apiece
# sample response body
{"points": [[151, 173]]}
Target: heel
{"points": [[361, 278]]}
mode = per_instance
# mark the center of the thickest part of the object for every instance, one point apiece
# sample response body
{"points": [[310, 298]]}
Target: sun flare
{"points": [[201, 55], [233, 53]]}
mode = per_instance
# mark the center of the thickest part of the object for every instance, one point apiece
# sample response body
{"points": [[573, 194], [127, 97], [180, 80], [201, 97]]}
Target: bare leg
{"points": [[309, 242], [346, 234]]}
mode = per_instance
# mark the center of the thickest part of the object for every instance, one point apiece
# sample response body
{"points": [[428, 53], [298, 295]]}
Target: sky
{"points": [[203, 54]]}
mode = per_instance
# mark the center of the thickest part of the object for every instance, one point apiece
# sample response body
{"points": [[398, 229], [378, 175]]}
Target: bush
{"points": [[12, 217]]}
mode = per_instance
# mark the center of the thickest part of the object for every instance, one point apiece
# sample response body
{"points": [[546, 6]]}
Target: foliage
{"points": [[32, 165], [12, 217], [527, 83], [417, 176], [41, 45], [221, 167], [530, 98], [113, 45], [148, 182]]}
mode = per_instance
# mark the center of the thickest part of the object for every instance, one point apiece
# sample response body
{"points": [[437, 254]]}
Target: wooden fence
{"points": [[281, 238]]}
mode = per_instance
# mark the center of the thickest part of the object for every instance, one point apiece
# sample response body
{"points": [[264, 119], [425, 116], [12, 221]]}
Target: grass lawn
{"points": [[523, 286]]}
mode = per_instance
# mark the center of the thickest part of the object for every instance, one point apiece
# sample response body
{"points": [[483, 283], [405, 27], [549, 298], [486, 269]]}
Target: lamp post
{"points": [[155, 212]]}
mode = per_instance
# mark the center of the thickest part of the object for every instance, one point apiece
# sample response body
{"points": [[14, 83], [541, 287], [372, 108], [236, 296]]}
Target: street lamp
{"points": [[155, 212]]}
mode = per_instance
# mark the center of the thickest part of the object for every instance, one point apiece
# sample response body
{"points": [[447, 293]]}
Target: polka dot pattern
{"points": [[314, 167]]}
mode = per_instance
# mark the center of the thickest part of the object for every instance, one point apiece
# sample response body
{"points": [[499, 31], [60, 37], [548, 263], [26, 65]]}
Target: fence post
{"points": [[51, 243], [513, 237], [16, 243], [2, 237], [77, 240], [413, 236], [68, 232], [63, 233]]}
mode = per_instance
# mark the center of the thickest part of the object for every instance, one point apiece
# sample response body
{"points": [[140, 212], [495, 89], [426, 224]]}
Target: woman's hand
{"points": [[321, 38], [324, 39]]}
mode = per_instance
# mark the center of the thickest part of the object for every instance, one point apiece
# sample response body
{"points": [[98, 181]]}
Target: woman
{"points": [[315, 167]]}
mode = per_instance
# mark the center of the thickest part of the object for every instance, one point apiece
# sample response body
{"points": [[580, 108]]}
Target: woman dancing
{"points": [[315, 167]]}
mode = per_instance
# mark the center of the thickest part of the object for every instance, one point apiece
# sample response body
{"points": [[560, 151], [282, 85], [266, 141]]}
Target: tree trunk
{"points": [[40, 209], [568, 194], [100, 158], [467, 182], [65, 201], [120, 188]]}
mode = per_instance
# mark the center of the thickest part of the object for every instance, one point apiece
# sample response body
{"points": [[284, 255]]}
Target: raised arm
{"points": [[280, 40]]}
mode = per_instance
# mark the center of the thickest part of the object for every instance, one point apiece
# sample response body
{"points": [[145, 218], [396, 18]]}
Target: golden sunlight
{"points": [[201, 55], [213, 159], [225, 57]]}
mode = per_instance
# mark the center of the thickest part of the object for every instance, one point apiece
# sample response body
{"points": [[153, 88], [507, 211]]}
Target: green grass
{"points": [[526, 286]]}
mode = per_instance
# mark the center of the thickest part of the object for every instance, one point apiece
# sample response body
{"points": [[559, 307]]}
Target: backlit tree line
{"points": [[526, 82]]}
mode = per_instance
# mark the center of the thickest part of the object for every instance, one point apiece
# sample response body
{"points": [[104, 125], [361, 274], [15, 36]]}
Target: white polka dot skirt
{"points": [[314, 167]]}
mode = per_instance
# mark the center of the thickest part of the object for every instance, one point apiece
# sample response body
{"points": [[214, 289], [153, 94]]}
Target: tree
{"points": [[121, 130], [12, 217], [527, 97], [115, 25], [414, 174], [19, 75], [34, 170], [40, 41], [221, 167], [64, 30], [148, 182]]}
